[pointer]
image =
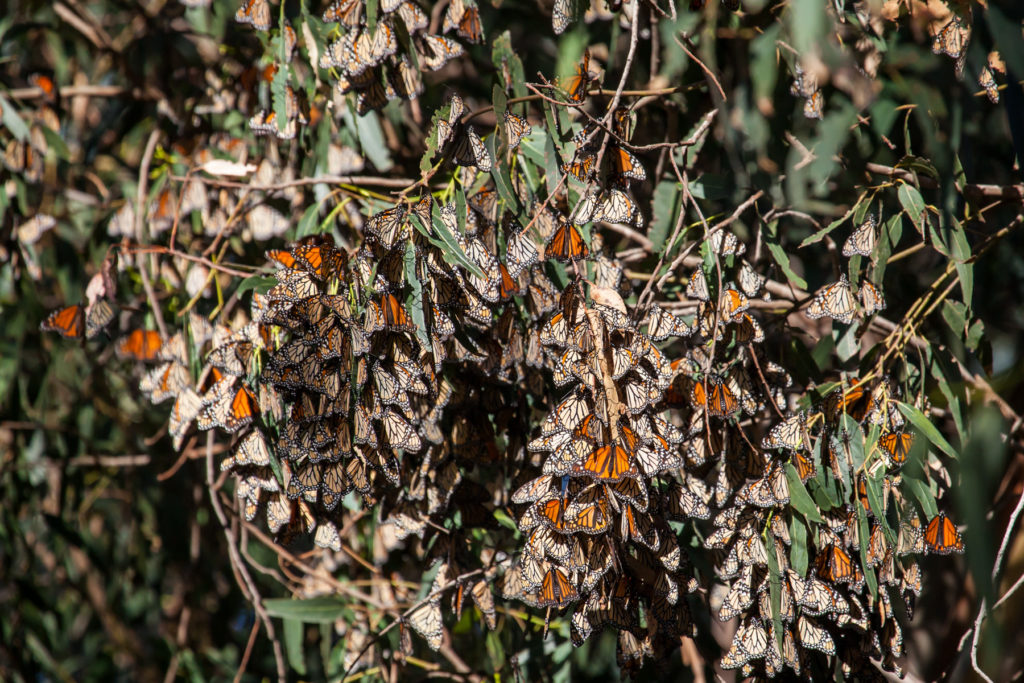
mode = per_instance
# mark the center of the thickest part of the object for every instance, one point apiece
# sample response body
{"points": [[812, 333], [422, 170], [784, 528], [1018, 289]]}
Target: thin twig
{"points": [[247, 583]]}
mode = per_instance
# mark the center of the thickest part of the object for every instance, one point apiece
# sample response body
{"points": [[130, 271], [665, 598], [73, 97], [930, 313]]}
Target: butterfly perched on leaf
{"points": [[942, 537], [896, 446], [862, 239], [516, 128], [577, 85]]}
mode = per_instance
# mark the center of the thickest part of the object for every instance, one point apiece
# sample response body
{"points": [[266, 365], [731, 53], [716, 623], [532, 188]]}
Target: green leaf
{"points": [[849, 344], [930, 431], [414, 302], [508, 64], [918, 164], [710, 186], [503, 519], [873, 483], [864, 533], [279, 96], [310, 610], [962, 252], [816, 237], [955, 315], [371, 138], [923, 494], [55, 142], [781, 258], [293, 645], [261, 283], [913, 204], [855, 442], [775, 589], [666, 206], [12, 121], [495, 650], [499, 171], [798, 543], [799, 498]]}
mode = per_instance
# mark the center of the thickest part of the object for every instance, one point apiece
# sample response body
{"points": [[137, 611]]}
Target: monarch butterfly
{"points": [[414, 18], [610, 462], [426, 619], [814, 637], [834, 565], [749, 280], [987, 80], [576, 87], [749, 643], [616, 207], [400, 433], [835, 301], [581, 166], [509, 287], [805, 85], [952, 39], [871, 298], [445, 128], [520, 253], [697, 286], [771, 490], [404, 81], [566, 244], [562, 15], [713, 395], [348, 12], [661, 324], [632, 491], [896, 446], [470, 151], [942, 537], [389, 226], [469, 26], [441, 51], [165, 382], [33, 229], [740, 595], [516, 128], [140, 345], [862, 240], [230, 408], [255, 13], [388, 314], [373, 97], [625, 165], [854, 401], [732, 303], [638, 527], [804, 466], [556, 590]]}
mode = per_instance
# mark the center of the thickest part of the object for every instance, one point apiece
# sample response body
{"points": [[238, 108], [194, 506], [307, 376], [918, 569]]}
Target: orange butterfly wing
{"points": [[140, 345], [68, 322]]}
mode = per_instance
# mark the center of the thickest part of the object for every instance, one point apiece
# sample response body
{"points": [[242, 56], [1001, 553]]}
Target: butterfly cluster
{"points": [[864, 551]]}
